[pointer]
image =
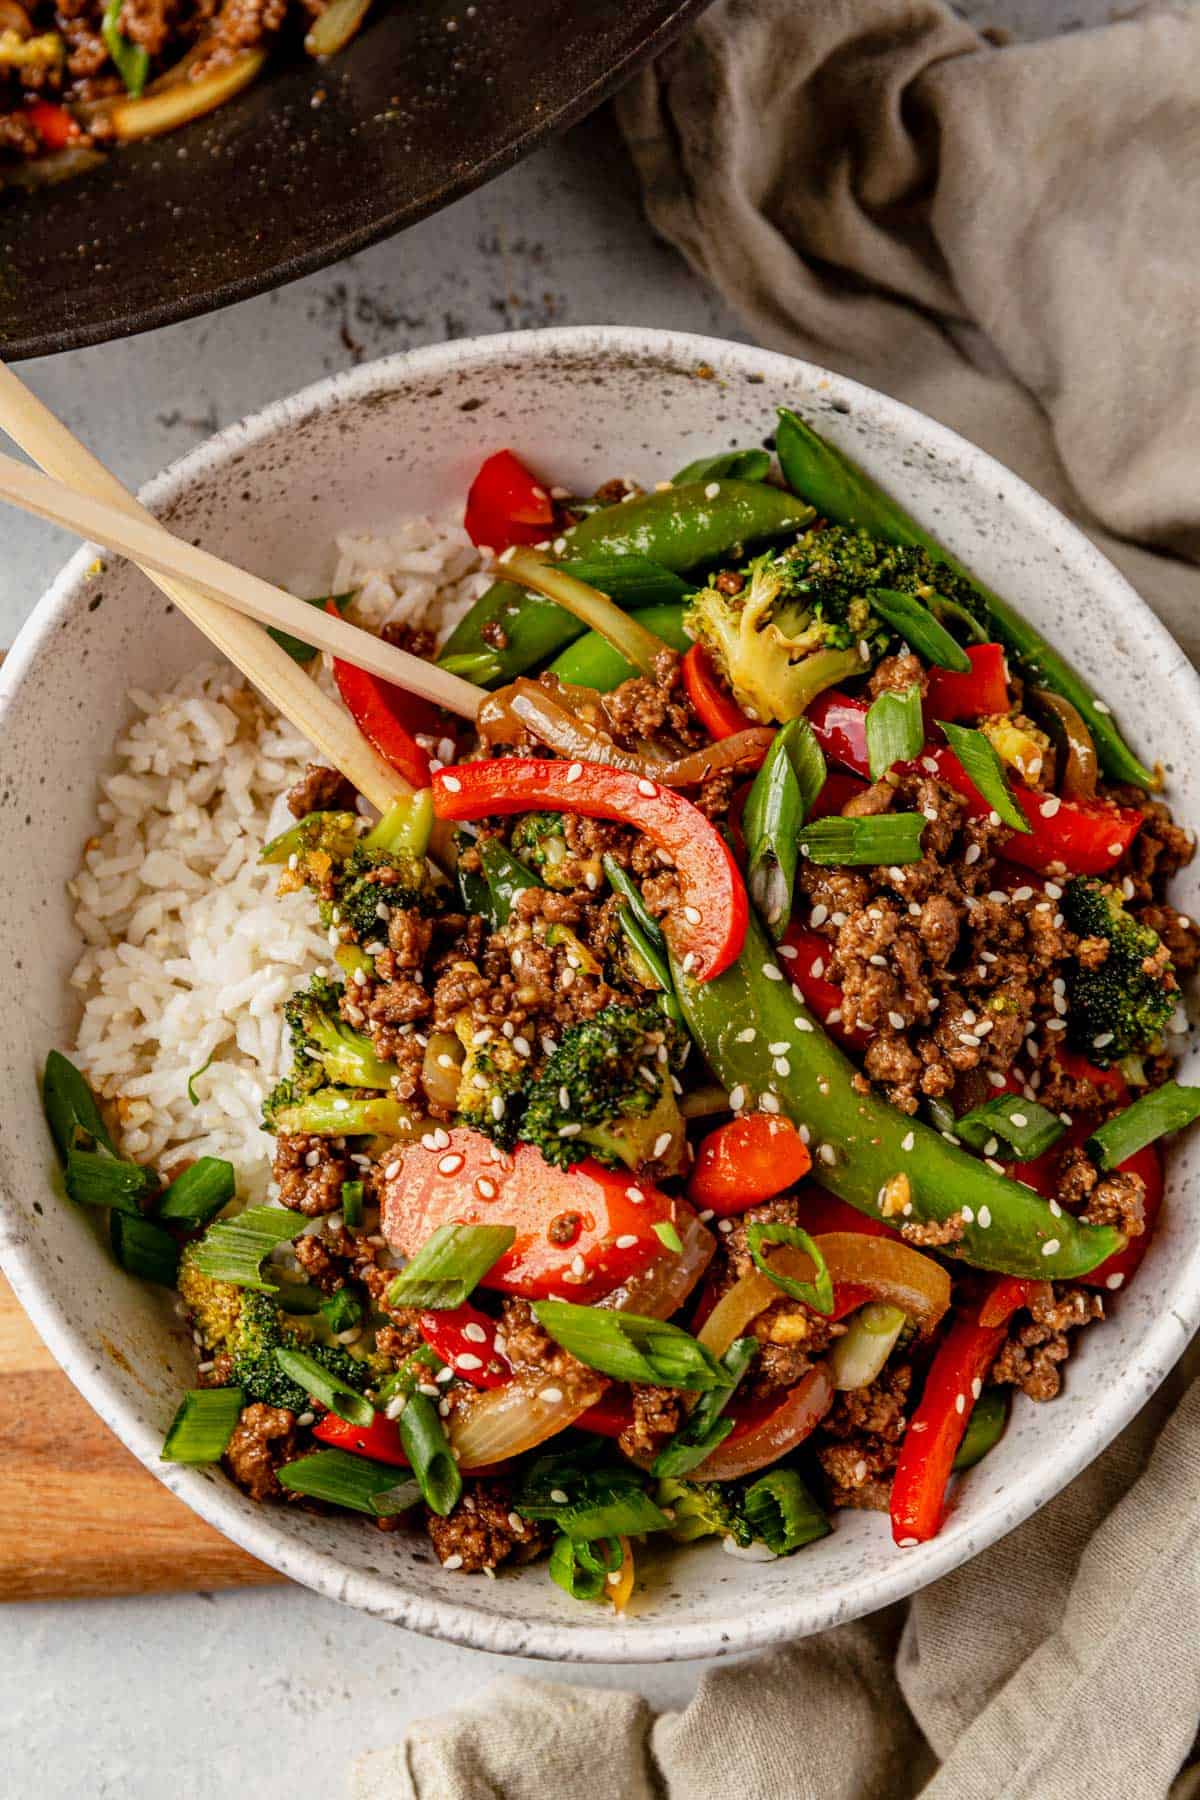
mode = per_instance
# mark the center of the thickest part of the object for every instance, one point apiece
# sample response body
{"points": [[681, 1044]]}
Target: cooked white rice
{"points": [[190, 954]]}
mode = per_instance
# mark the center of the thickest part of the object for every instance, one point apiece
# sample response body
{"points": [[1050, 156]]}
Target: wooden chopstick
{"points": [[265, 663]]}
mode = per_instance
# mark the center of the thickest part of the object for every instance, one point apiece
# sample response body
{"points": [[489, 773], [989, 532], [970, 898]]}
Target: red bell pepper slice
{"points": [[388, 716], [580, 1232], [380, 1440], [953, 695], [748, 1160], [1086, 839], [1007, 1295], [936, 1429], [836, 794], [610, 1416], [714, 706], [465, 1337], [507, 505], [821, 1212], [807, 969], [53, 124], [711, 926]]}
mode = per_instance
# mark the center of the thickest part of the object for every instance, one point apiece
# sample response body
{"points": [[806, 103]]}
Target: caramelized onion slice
{"points": [[176, 104], [752, 1446], [334, 28], [1080, 767]]}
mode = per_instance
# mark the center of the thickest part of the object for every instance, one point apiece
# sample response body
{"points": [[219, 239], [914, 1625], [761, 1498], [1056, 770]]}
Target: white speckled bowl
{"points": [[398, 437]]}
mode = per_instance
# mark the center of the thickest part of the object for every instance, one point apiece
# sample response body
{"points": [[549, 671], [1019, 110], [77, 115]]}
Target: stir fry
{"points": [[740, 1064]]}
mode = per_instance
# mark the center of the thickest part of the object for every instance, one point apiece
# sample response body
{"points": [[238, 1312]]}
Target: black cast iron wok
{"points": [[432, 98]]}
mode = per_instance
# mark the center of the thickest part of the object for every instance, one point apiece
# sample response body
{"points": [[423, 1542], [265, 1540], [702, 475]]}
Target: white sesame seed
{"points": [[450, 1165], [748, 1036], [772, 971], [737, 1097], [712, 490], [646, 787], [968, 1215], [1056, 1209], [662, 1144], [1051, 1247], [782, 1066], [834, 1017], [1050, 806], [497, 1107], [626, 1241], [1101, 706], [1114, 849], [396, 1406], [578, 1266], [725, 1226], [1056, 1024], [997, 1168], [312, 1158], [818, 915], [635, 1195], [802, 1024], [443, 1376], [689, 962], [993, 817], [929, 764], [1115, 1281], [768, 1103], [475, 1334], [466, 1359], [950, 1138], [1102, 1039], [692, 914], [552, 1396], [976, 1387], [453, 783], [453, 1562], [960, 1403], [574, 772], [896, 1021], [908, 1140], [907, 1543], [827, 1154], [569, 1131]]}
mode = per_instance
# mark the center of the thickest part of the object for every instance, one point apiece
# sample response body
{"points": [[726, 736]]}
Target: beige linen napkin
{"points": [[1009, 239]]}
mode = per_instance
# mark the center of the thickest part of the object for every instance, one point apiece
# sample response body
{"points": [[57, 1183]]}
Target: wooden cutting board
{"points": [[79, 1516]]}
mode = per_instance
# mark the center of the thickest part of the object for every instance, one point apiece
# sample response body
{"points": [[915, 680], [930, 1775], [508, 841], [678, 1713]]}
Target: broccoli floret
{"points": [[607, 1092], [1119, 1006], [362, 902], [803, 620], [492, 1086], [249, 1327], [539, 841], [705, 1509], [332, 1112], [319, 1037], [331, 835]]}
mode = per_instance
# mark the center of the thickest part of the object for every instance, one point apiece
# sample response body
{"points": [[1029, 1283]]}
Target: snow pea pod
{"points": [[846, 494], [688, 527], [860, 1142], [591, 661]]}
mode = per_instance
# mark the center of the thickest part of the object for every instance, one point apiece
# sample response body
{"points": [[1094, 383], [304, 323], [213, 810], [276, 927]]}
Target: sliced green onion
{"points": [[352, 1202], [428, 1450], [704, 1427], [233, 1249], [132, 61], [406, 1379], [341, 1479], [985, 770], [629, 1347], [895, 730], [1024, 1125], [850, 843], [985, 1428], [342, 1310], [782, 1513], [623, 883], [870, 1337], [194, 1077], [405, 828], [787, 784], [915, 623], [143, 1248], [94, 1178], [479, 666], [296, 648], [726, 465], [71, 1110], [201, 1429], [449, 1265], [631, 581], [627, 1510], [1168, 1108], [668, 1237], [656, 961], [942, 1114], [506, 877], [582, 1569], [818, 1293], [317, 1381], [586, 1501], [200, 1192]]}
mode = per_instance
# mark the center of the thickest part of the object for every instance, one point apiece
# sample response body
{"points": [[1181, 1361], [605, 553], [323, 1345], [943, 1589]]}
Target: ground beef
{"points": [[859, 1440], [310, 1172], [1176, 931], [409, 936], [148, 23], [17, 136], [931, 1234], [790, 1339], [1118, 1200], [319, 789], [733, 1258], [657, 1415], [874, 800], [263, 1438], [414, 638], [653, 707], [522, 1340], [1030, 1356], [483, 1530], [240, 25], [1160, 849], [896, 673]]}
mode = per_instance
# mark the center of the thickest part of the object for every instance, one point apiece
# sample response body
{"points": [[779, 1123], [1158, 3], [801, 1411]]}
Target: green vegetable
{"points": [[841, 491], [71, 1110], [1123, 1005], [398, 844], [194, 1197], [705, 1428], [782, 1513], [194, 1077], [1168, 1108], [598, 1503], [870, 1337], [817, 1293], [629, 1347], [132, 61], [682, 528], [330, 834], [705, 1509], [251, 1325], [726, 465], [1011, 1229], [342, 1479], [606, 1092], [505, 878], [1026, 1127], [644, 933], [324, 1386], [232, 1250], [667, 1236], [329, 1112], [912, 620], [492, 1086], [296, 648], [341, 1310], [322, 1040], [623, 631], [405, 828], [895, 729], [202, 1427], [985, 1428], [94, 1178], [850, 843], [450, 1265], [784, 790], [582, 1568], [143, 1248], [634, 582], [352, 1202], [428, 1450], [591, 660], [986, 771]]}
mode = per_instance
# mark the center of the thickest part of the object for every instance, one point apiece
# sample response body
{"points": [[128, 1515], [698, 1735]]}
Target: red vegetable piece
{"points": [[610, 1416], [580, 1232], [711, 924], [836, 794], [388, 716], [746, 1161], [807, 970], [714, 705], [821, 1212], [953, 695], [507, 505], [1007, 1295], [53, 124], [465, 1337], [380, 1440]]}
